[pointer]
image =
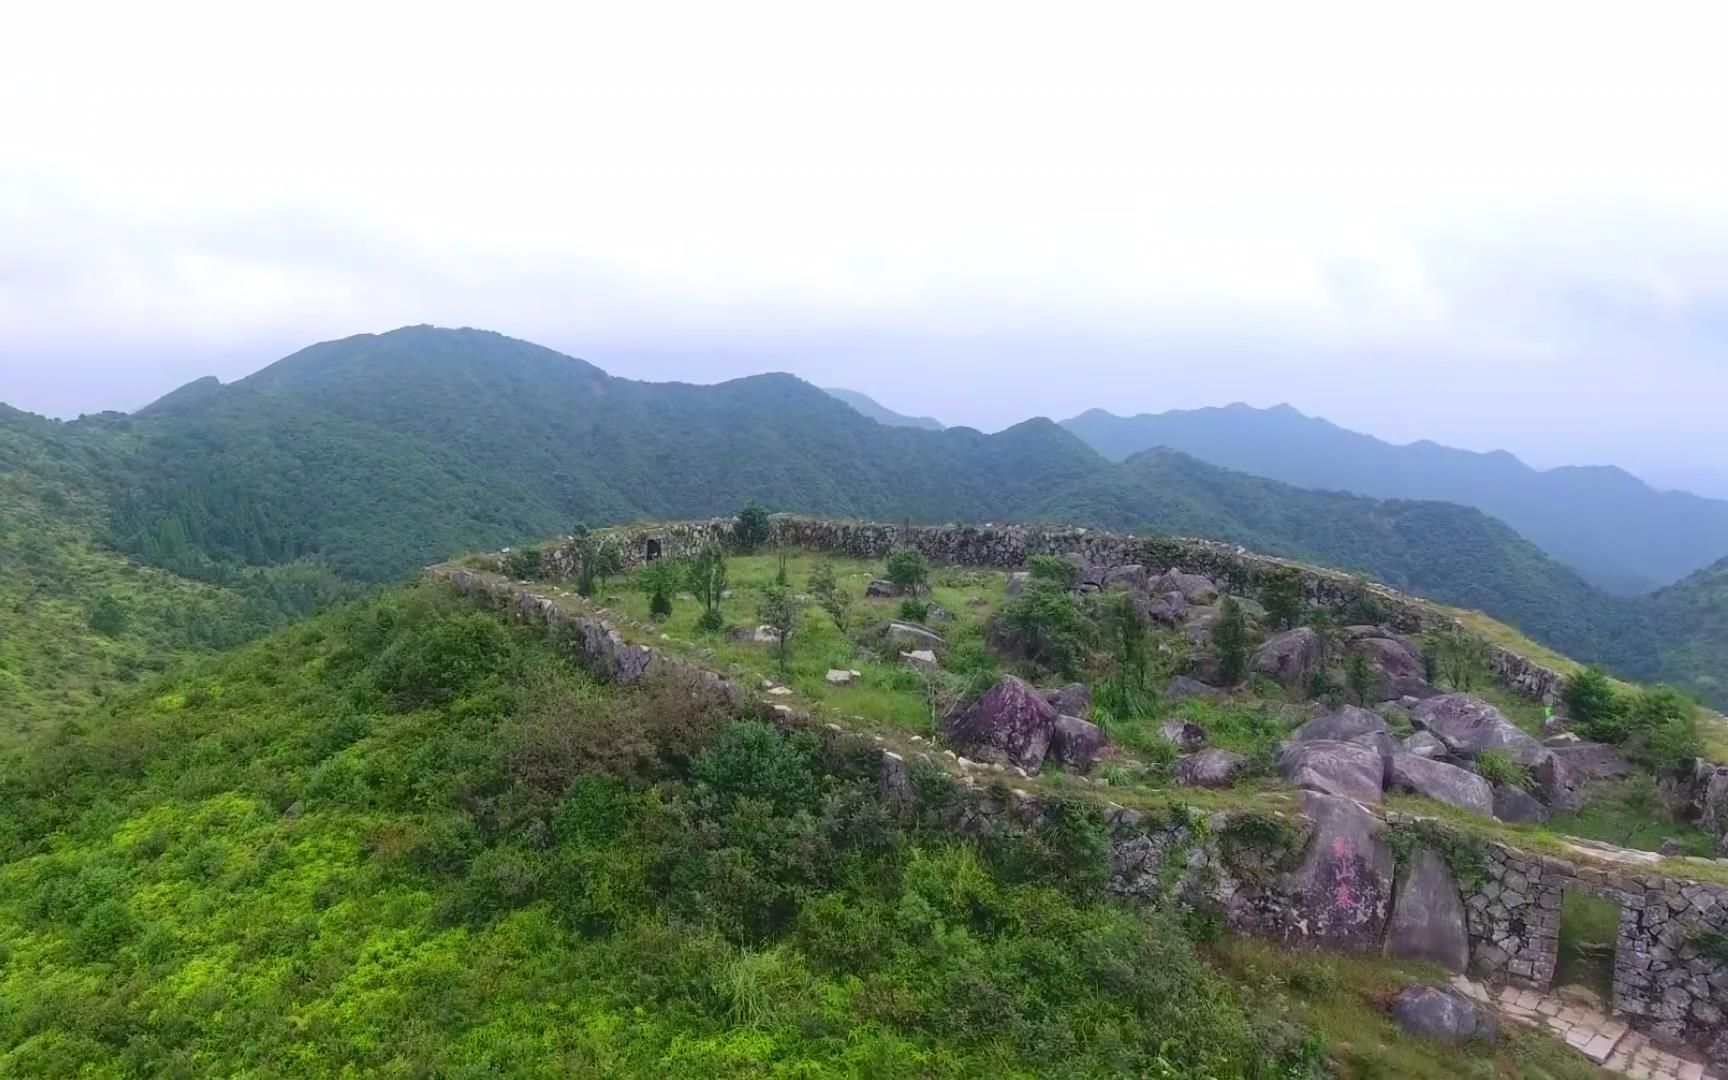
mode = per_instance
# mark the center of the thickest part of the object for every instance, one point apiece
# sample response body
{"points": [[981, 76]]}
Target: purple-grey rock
{"points": [[1209, 769], [1071, 699], [1427, 921], [880, 589], [1518, 806], [1076, 743], [1194, 588], [1012, 722], [1342, 889], [1187, 735], [1425, 744], [1334, 768], [1291, 657], [1442, 782], [1468, 726], [1181, 688], [1444, 1014], [1343, 723]]}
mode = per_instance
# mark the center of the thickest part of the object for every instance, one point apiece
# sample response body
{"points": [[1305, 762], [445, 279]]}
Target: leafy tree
{"points": [[526, 562], [1593, 705], [1230, 639], [914, 610], [908, 570], [1460, 657], [782, 576], [1359, 678], [1045, 626], [660, 580], [1126, 636], [826, 588], [1281, 596], [107, 617], [707, 577], [597, 559], [1053, 568], [752, 528], [779, 613]]}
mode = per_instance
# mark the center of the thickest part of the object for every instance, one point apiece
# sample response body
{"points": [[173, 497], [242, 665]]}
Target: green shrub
{"points": [[1500, 767], [1044, 625], [1595, 707], [1053, 568], [752, 528], [908, 570], [914, 610]]}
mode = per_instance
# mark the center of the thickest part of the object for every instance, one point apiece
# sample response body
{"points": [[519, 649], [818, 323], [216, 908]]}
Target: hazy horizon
{"points": [[1133, 210]]}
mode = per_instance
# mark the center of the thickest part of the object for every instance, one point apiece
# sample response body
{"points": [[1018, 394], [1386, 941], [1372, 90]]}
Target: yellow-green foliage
{"points": [[405, 839]]}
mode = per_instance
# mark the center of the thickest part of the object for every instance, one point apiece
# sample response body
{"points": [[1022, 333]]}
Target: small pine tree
{"points": [[1230, 638], [752, 528], [707, 576], [1595, 706], [659, 605], [825, 587], [1281, 596], [1359, 677], [779, 612]]}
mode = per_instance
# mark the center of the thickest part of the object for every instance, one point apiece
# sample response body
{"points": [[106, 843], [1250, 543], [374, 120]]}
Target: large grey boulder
{"points": [[1346, 769], [906, 635], [1425, 744], [1575, 766], [1076, 743], [1340, 892], [881, 590], [1428, 921], [1468, 726], [1437, 780], [1132, 578], [1444, 1014], [1071, 699], [1194, 588], [1291, 657], [1518, 806], [1396, 666], [1181, 688], [1197, 625], [1185, 734], [1012, 722], [1209, 769], [1343, 723]]}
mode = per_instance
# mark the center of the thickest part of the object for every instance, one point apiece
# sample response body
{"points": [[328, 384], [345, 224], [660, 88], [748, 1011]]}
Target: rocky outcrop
{"points": [[905, 635], [1440, 1012], [1518, 806], [1181, 688], [1071, 699], [1343, 724], [1209, 769], [1468, 726], [1186, 735], [1341, 891], [1076, 743], [1291, 657], [1194, 588], [1333, 768], [1011, 723], [1428, 921], [1425, 744], [1442, 782]]}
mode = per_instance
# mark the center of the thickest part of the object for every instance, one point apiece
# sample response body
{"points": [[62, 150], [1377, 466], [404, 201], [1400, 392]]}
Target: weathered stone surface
{"points": [[841, 676], [1017, 583], [1444, 1014], [1072, 699], [1437, 780], [1011, 722], [1334, 768], [1076, 743], [1516, 805], [1209, 769], [1341, 890], [1194, 588], [1291, 657], [1468, 725], [919, 658], [907, 635], [1381, 742], [880, 589], [1169, 609], [1577, 766], [1428, 921], [1425, 744], [1197, 625], [1181, 687], [1131, 577], [1343, 723], [1185, 734]]}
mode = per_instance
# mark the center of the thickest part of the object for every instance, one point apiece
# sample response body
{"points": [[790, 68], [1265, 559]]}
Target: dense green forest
{"points": [[358, 461], [403, 839]]}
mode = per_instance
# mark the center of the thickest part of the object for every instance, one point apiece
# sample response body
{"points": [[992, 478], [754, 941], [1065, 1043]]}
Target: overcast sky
{"points": [[1496, 225]]}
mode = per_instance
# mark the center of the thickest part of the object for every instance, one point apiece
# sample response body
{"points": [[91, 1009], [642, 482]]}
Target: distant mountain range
{"points": [[1616, 530], [360, 460], [868, 406]]}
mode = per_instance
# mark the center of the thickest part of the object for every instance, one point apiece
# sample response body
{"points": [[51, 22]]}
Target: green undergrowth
{"points": [[1345, 997], [405, 838]]}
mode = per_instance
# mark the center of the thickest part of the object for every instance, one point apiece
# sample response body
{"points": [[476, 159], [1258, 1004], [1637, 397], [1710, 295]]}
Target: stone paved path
{"points": [[1606, 1041]]}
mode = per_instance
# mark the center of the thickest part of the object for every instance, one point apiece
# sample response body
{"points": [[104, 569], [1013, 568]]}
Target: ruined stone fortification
{"points": [[1009, 546], [1326, 877]]}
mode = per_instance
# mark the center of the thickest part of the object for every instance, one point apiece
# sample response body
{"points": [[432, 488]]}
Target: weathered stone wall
{"points": [[1009, 546]]}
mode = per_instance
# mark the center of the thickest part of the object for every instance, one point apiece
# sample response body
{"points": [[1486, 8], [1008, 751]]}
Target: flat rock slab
{"points": [[1350, 770], [1442, 782], [1428, 920]]}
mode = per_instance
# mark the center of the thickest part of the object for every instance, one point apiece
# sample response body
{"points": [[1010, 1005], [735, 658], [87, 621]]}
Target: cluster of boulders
{"points": [[1016, 724], [1352, 752]]}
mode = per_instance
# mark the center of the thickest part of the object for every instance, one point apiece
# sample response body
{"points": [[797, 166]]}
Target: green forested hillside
{"points": [[402, 840], [1617, 531], [360, 460]]}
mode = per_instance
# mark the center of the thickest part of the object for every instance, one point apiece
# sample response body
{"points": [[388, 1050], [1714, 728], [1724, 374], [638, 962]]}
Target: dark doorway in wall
{"points": [[653, 551], [1589, 928]]}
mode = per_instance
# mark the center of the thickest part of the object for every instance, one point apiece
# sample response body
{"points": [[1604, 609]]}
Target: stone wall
{"points": [[1327, 883], [1009, 546]]}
